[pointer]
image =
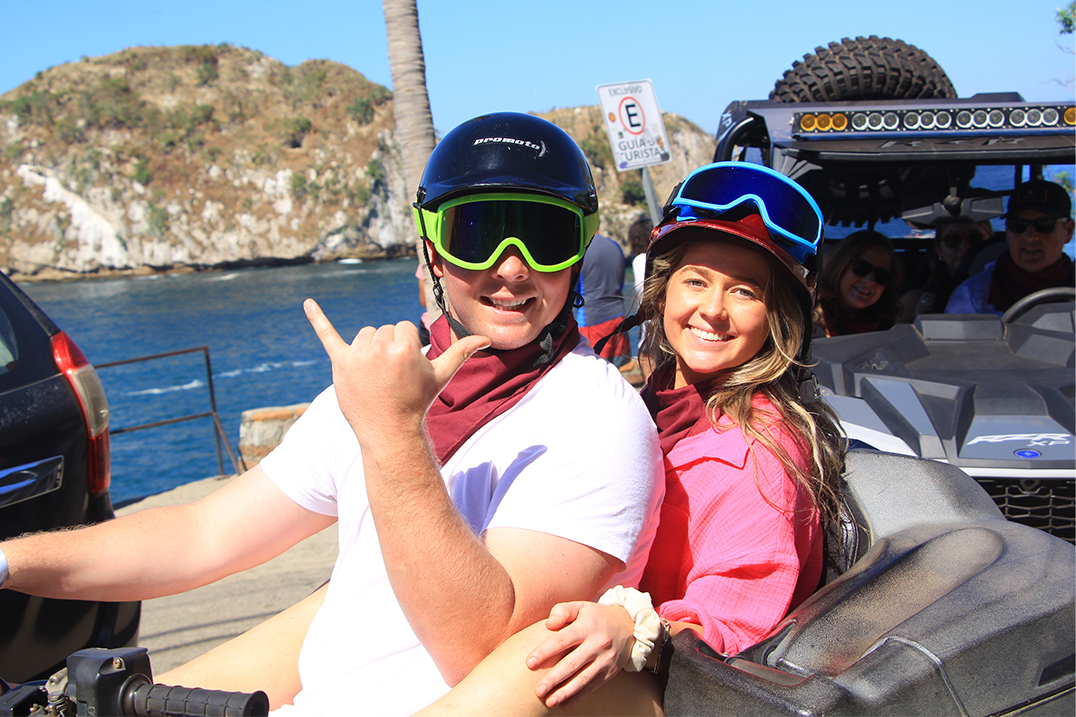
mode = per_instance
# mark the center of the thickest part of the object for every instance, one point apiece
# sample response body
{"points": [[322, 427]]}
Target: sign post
{"points": [[636, 131]]}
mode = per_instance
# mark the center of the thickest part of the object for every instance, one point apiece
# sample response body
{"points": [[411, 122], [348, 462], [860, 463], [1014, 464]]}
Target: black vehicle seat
{"points": [[911, 491], [986, 254], [947, 596]]}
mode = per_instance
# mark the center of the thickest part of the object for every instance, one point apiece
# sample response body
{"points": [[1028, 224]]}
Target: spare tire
{"points": [[866, 68]]}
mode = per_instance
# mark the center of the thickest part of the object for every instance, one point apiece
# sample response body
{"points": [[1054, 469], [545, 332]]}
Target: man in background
{"points": [[1038, 224], [601, 284]]}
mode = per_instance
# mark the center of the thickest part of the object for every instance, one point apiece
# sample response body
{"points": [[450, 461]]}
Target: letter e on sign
{"points": [[630, 111], [632, 116]]}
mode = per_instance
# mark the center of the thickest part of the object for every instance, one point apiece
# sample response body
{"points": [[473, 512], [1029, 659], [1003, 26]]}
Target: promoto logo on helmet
{"points": [[540, 148]]}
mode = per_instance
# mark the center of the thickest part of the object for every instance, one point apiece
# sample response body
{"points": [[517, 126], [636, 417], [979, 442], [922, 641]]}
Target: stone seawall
{"points": [[262, 429]]}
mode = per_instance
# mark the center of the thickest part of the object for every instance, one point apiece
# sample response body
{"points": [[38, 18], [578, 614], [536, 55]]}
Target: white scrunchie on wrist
{"points": [[648, 626]]}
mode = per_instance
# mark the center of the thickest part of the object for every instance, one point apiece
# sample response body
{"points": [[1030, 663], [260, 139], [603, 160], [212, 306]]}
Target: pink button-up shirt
{"points": [[739, 542]]}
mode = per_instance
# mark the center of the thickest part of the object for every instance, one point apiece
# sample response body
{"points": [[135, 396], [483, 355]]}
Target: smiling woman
{"points": [[715, 310], [858, 290]]}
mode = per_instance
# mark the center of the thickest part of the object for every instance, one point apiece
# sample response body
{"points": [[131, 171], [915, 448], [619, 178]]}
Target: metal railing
{"points": [[236, 459]]}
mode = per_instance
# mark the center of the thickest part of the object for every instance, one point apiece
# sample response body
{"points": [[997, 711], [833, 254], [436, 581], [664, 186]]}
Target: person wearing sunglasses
{"points": [[933, 281], [473, 486], [858, 289], [1038, 224]]}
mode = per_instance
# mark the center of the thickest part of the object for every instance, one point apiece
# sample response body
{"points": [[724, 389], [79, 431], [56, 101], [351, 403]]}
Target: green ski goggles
{"points": [[473, 231]]}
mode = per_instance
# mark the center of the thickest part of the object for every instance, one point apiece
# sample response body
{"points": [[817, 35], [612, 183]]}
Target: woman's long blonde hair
{"points": [[771, 371]]}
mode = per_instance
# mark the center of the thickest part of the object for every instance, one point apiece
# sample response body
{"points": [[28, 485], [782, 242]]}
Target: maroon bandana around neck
{"points": [[1010, 283], [677, 412], [487, 385]]}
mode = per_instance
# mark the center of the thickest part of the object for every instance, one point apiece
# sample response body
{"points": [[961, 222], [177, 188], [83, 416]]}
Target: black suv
{"points": [[54, 473], [994, 397]]}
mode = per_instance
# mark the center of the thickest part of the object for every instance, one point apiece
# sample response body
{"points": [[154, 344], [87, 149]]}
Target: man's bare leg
{"points": [[266, 657], [502, 685]]}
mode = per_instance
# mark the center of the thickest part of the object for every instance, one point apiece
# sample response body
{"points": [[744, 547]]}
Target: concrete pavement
{"points": [[180, 627]]}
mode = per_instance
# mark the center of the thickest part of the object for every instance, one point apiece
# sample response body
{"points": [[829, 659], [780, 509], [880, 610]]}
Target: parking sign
{"points": [[636, 131]]}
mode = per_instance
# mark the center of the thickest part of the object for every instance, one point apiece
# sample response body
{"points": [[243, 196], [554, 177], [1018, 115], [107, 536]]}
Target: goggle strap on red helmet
{"points": [[806, 381], [803, 372]]}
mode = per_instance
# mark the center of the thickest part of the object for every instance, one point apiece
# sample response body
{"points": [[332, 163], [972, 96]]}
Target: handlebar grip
{"points": [[167, 701]]}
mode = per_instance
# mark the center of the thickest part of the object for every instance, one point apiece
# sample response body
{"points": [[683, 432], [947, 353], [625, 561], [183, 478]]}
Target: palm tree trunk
{"points": [[411, 103]]}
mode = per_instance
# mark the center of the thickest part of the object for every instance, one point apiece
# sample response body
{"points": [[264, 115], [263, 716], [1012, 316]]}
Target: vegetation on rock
{"points": [[153, 158]]}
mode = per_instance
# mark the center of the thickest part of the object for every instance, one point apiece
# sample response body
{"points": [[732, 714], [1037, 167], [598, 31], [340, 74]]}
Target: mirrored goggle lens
{"points": [[475, 232], [721, 188]]}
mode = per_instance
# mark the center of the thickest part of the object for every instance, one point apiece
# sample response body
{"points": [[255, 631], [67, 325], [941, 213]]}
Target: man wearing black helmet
{"points": [[473, 490]]}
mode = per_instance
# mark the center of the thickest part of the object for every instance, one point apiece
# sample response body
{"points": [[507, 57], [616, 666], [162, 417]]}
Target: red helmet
{"points": [[750, 203], [672, 232]]}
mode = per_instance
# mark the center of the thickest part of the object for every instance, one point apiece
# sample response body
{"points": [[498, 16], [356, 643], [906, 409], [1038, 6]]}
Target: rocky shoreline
{"points": [[52, 274]]}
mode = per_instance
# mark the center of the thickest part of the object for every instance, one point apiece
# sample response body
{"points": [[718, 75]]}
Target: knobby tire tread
{"points": [[864, 68]]}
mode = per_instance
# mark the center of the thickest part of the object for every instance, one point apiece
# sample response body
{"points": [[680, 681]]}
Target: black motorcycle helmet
{"points": [[508, 152]]}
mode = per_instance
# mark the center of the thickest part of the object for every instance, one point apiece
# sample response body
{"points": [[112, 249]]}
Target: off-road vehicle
{"points": [[872, 128], [936, 604]]}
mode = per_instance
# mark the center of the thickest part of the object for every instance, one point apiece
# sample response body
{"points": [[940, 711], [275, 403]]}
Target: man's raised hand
{"points": [[383, 380]]}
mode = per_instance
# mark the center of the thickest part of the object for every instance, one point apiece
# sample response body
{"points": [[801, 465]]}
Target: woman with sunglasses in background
{"points": [[928, 290], [751, 469], [858, 290]]}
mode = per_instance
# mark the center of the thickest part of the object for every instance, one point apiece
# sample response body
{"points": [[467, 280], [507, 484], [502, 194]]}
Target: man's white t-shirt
{"points": [[577, 457]]}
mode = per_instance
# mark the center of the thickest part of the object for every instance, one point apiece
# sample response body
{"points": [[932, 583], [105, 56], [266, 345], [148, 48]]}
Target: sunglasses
{"points": [[791, 215], [1043, 225], [863, 268], [473, 231], [953, 240]]}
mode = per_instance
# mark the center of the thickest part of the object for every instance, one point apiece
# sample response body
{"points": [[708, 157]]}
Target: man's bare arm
{"points": [[462, 595], [163, 551]]}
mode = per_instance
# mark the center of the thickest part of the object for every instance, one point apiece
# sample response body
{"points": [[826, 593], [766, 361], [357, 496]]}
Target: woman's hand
{"points": [[592, 643]]}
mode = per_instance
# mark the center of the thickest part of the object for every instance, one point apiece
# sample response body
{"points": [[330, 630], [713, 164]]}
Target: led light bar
{"points": [[944, 118]]}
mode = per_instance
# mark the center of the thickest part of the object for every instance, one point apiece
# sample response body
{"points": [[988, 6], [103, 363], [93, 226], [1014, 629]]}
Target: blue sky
{"points": [[533, 56]]}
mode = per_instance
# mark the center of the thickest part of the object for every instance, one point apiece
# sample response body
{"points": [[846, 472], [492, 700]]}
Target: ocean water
{"points": [[261, 347], [262, 350]]}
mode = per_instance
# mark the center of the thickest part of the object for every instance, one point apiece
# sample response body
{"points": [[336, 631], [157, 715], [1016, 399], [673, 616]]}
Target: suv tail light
{"points": [[91, 397]]}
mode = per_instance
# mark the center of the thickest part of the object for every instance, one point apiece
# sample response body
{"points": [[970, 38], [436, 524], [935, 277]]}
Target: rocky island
{"points": [[158, 159]]}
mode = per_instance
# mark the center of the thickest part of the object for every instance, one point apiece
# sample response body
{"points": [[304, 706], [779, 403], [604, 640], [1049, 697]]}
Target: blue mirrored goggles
{"points": [[791, 215]]}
